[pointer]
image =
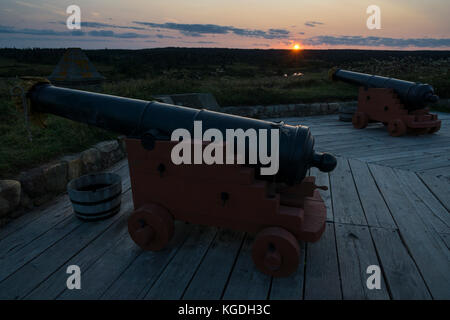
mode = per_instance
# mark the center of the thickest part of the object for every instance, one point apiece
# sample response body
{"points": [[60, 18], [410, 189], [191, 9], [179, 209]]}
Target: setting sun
{"points": [[296, 47]]}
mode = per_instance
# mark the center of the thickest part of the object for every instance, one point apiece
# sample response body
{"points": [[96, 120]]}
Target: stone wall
{"points": [[37, 186]]}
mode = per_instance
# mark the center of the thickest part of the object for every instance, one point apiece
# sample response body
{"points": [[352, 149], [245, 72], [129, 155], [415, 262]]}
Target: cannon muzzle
{"points": [[140, 119], [413, 95]]}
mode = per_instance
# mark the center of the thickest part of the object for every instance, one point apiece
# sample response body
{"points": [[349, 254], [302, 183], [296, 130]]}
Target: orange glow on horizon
{"points": [[297, 47]]}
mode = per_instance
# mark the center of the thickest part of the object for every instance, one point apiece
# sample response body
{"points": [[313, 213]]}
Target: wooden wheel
{"points": [[397, 128], [276, 252], [360, 120], [151, 227]]}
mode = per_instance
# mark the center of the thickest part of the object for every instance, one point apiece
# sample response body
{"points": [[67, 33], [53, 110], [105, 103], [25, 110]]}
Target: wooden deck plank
{"points": [[402, 276], [14, 261], [323, 179], [446, 238], [24, 236], [361, 151], [442, 172], [34, 272], [375, 209], [106, 269], [439, 187], [412, 160], [333, 140], [322, 279], [211, 277], [292, 287], [428, 162], [35, 215], [389, 146], [381, 158], [146, 268], [176, 277], [246, 282], [428, 207], [346, 205], [55, 284], [356, 253], [426, 247], [36, 237]]}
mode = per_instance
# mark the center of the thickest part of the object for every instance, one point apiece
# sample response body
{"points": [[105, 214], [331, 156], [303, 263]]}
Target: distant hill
{"points": [[169, 58]]}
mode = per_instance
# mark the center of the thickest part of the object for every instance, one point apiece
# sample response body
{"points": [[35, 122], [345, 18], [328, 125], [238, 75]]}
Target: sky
{"points": [[264, 24]]}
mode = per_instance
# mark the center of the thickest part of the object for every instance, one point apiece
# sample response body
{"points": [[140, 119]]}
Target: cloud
{"points": [[164, 36], [200, 30], [199, 42], [261, 45], [378, 41], [109, 33], [312, 24], [93, 33], [90, 24], [39, 32], [96, 25]]}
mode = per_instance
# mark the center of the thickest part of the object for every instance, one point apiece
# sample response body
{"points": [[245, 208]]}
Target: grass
{"points": [[234, 90], [233, 83], [60, 137]]}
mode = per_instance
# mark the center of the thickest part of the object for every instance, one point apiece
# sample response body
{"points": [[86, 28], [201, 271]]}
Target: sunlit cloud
{"points": [[199, 30], [312, 24], [92, 33]]}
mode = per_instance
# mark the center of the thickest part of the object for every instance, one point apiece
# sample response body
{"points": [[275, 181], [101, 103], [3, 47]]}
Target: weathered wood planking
{"points": [[26, 243], [428, 162], [41, 216], [211, 277], [24, 236], [246, 282], [426, 246], [290, 288], [442, 172], [375, 209], [357, 151], [439, 187], [346, 205], [392, 155], [322, 279], [446, 238], [39, 269], [55, 284], [135, 281], [177, 275], [411, 160], [355, 254], [11, 262], [334, 141], [402, 275], [323, 179], [101, 275], [428, 207]]}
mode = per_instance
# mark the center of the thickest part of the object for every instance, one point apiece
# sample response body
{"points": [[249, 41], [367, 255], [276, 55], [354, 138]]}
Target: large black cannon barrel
{"points": [[138, 118], [413, 95]]}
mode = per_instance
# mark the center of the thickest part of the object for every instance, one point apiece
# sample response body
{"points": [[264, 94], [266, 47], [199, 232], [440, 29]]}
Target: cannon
{"points": [[281, 209], [400, 105]]}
